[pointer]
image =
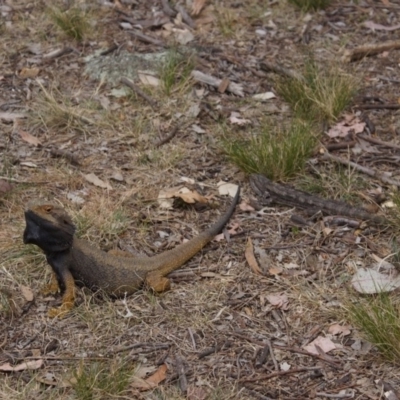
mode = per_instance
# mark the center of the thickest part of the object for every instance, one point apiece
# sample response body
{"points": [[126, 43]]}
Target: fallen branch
{"points": [[139, 92], [365, 170], [146, 38], [234, 88], [379, 142], [278, 69], [369, 50]]}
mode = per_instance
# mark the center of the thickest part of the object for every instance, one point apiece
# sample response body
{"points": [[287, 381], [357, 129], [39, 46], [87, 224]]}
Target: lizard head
{"points": [[49, 227]]}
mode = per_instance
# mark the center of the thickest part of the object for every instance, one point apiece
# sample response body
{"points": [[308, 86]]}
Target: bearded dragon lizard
{"points": [[76, 261]]}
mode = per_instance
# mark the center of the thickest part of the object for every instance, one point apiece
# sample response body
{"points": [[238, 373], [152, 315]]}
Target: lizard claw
{"points": [[60, 312]]}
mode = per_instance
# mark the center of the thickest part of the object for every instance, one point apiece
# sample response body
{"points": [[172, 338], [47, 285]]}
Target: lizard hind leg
{"points": [[157, 282]]}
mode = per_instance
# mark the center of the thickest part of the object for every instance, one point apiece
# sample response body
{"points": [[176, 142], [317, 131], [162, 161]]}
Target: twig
{"points": [[65, 154], [181, 373], [192, 337], [146, 38], [291, 349], [336, 396], [278, 69], [379, 142], [153, 347], [139, 91], [185, 16], [57, 53], [6, 178], [271, 352], [341, 145], [212, 350], [387, 106], [167, 138], [234, 88], [279, 373], [167, 9], [365, 170], [369, 50]]}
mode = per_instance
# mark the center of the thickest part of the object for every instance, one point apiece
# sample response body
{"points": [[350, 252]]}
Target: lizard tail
{"points": [[173, 259]]}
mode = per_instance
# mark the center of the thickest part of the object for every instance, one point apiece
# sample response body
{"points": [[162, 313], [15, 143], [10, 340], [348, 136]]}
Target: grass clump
{"points": [[379, 321], [308, 5], [175, 68], [320, 95], [99, 381], [54, 111], [276, 154], [73, 22]]}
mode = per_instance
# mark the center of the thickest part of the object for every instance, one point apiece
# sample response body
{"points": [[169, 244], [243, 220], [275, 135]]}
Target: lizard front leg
{"points": [[68, 298], [52, 287]]}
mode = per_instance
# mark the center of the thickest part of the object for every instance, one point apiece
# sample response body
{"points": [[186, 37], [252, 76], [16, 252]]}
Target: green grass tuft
{"points": [[101, 381], [175, 68], [379, 321], [321, 95], [276, 154], [73, 22], [307, 5]]}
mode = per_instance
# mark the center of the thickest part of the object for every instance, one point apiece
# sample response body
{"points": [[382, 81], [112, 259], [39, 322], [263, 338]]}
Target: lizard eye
{"points": [[48, 208]]}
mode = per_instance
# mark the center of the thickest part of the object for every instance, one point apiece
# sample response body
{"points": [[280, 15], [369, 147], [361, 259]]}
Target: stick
{"points": [[365, 170], [369, 50], [234, 88], [139, 92]]}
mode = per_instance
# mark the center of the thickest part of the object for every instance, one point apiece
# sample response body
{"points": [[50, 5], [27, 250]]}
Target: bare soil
{"points": [[216, 331]]}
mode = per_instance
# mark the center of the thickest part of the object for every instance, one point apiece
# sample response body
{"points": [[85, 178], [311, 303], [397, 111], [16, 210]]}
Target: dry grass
{"points": [[378, 319], [307, 5], [275, 152], [217, 297], [323, 93], [74, 22]]}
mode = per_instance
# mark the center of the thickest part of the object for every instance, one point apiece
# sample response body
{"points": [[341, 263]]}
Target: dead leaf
{"points": [[148, 79], [183, 36], [250, 258], [92, 178], [235, 118], [36, 364], [233, 227], [28, 164], [225, 188], [378, 27], [197, 6], [159, 375], [117, 176], [189, 196], [325, 344], [275, 270], [27, 137], [245, 206], [11, 117], [5, 186], [29, 73], [264, 96], [27, 292], [370, 281], [278, 300], [351, 123], [337, 329]]}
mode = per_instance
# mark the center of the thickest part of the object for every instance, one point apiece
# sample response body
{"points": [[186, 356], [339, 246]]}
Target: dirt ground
{"points": [[105, 153]]}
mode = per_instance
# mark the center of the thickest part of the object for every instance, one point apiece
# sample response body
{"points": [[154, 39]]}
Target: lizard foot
{"points": [[49, 289], [61, 311], [158, 283]]}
